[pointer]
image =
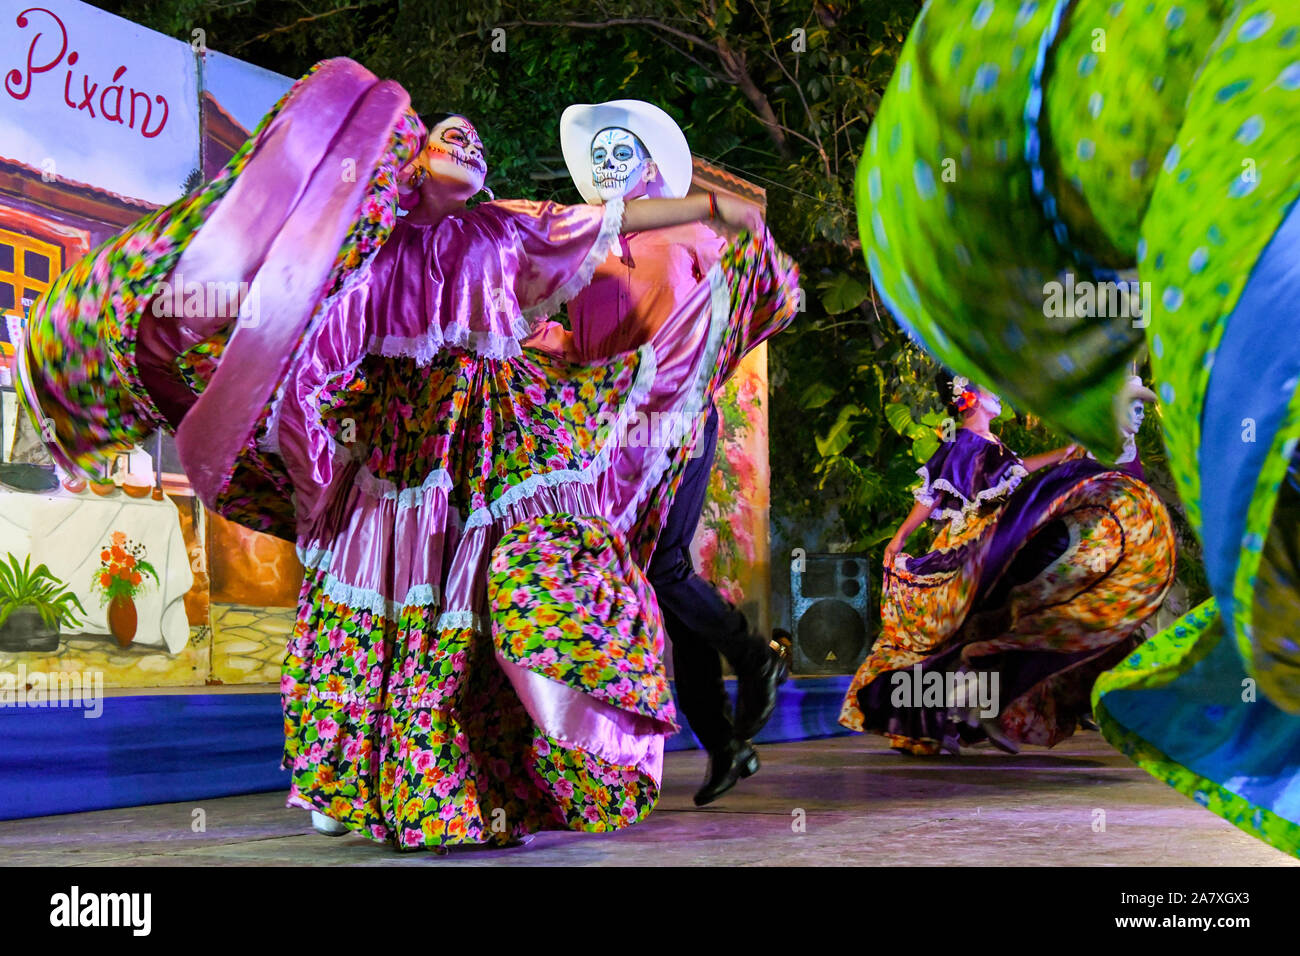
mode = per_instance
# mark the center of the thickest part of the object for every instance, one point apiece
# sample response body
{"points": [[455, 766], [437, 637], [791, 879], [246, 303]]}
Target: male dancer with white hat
{"points": [[631, 149]]}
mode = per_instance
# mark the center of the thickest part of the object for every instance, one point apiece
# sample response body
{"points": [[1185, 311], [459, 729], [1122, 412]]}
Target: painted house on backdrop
{"points": [[98, 126], [236, 95], [101, 122]]}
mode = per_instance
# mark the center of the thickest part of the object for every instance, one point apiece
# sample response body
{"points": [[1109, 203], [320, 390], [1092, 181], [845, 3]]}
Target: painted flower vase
{"points": [[122, 620]]}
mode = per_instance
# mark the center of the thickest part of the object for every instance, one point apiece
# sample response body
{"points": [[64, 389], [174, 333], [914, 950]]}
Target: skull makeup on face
{"points": [[990, 403], [1131, 408], [619, 163], [453, 156], [1137, 413]]}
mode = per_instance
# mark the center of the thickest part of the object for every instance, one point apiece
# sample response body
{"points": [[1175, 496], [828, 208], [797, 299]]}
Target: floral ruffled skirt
{"points": [[461, 593], [1044, 594], [408, 729], [508, 676]]}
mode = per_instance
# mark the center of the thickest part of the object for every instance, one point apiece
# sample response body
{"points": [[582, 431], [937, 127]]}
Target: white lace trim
{"points": [[719, 317], [611, 227], [365, 599], [424, 348], [369, 599], [410, 497], [455, 620], [959, 516], [646, 373]]}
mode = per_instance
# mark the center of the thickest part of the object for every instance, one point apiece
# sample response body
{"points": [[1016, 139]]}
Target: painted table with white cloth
{"points": [[67, 533]]}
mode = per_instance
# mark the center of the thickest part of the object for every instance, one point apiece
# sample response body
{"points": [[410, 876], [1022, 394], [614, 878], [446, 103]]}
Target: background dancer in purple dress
{"points": [[1041, 573]]}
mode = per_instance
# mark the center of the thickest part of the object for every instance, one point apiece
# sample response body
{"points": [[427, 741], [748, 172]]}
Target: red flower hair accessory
{"points": [[964, 397]]}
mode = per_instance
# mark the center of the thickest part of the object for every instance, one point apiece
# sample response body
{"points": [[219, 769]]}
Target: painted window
{"points": [[27, 268]]}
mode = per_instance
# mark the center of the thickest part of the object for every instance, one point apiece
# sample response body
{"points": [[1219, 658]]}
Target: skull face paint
{"points": [[453, 156], [1137, 413], [618, 163]]}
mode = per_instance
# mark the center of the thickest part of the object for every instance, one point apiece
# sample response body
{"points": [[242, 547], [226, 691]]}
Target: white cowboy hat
{"points": [[656, 129]]}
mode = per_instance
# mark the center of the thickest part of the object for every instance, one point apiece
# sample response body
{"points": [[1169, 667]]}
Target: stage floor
{"points": [[861, 804]]}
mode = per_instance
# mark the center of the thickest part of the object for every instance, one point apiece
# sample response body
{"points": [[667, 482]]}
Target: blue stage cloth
{"points": [[169, 748]]}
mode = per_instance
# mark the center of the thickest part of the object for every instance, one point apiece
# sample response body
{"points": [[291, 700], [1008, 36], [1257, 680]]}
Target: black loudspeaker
{"points": [[829, 600]]}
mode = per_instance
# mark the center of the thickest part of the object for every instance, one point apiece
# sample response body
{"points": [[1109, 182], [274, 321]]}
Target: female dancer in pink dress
{"points": [[477, 654]]}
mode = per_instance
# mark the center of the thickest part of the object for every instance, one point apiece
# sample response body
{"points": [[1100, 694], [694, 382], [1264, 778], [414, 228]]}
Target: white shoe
{"points": [[323, 824]]}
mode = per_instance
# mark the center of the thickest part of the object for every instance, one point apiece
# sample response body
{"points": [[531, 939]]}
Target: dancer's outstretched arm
{"points": [[1047, 458], [643, 215], [919, 514]]}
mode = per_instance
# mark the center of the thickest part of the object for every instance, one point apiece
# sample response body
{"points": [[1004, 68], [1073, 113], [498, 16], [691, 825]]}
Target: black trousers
{"points": [[701, 624]]}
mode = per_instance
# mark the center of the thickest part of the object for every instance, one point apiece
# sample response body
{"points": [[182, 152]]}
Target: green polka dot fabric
{"points": [[1110, 124], [955, 238], [1226, 184], [1143, 708], [1029, 161]]}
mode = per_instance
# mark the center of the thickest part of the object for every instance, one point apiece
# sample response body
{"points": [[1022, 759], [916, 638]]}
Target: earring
{"points": [[491, 196]]}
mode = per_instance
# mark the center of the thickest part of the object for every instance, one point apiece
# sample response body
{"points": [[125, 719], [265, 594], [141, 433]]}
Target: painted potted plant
{"points": [[119, 579], [33, 604]]}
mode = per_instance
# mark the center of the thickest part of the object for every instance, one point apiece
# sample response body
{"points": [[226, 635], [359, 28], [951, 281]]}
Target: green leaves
{"points": [[842, 293], [900, 419], [817, 395], [20, 586], [924, 446], [925, 434], [837, 439]]}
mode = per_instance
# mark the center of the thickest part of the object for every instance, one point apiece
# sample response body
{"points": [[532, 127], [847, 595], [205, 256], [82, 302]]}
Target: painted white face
{"points": [[1137, 413], [453, 156], [618, 162], [990, 403]]}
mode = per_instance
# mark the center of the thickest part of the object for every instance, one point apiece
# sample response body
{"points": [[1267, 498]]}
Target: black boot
{"points": [[726, 767], [993, 730], [764, 671]]}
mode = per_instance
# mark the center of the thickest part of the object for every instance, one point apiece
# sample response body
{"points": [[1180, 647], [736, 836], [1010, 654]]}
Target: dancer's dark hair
{"points": [[943, 382], [430, 120]]}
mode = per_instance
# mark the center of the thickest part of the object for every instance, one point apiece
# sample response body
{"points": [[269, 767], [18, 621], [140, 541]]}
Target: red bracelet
{"points": [[713, 205]]}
